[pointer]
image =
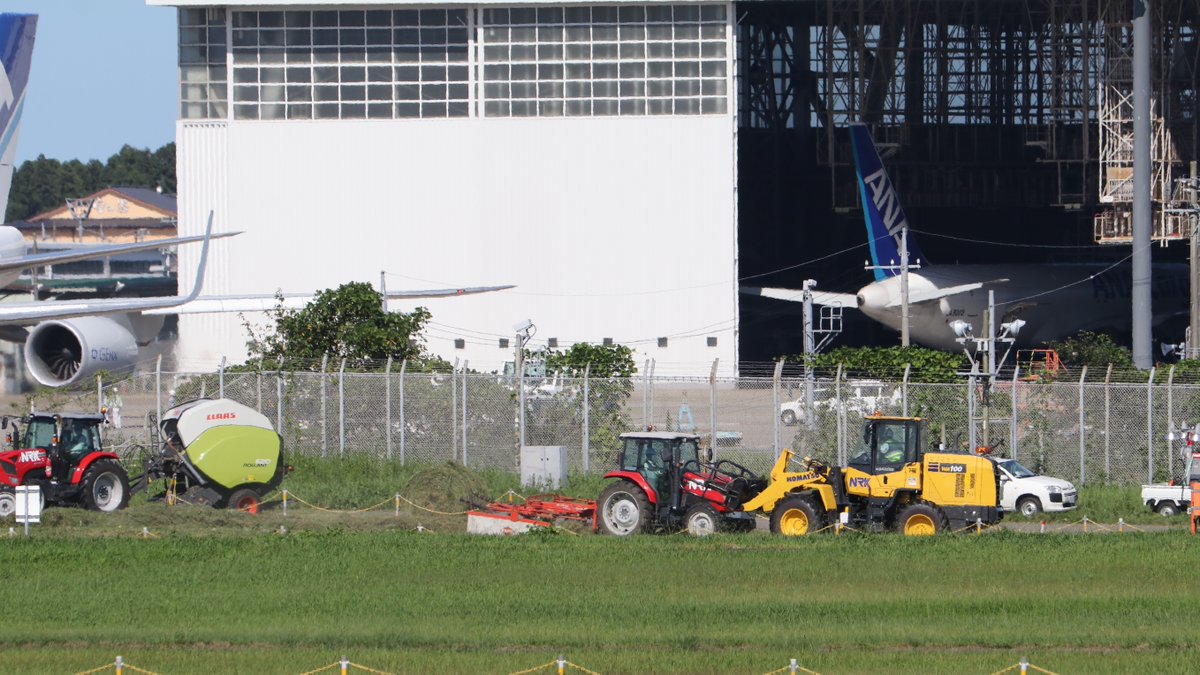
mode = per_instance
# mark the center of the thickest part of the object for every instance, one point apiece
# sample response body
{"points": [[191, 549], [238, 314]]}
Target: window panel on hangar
{"points": [[532, 61]]}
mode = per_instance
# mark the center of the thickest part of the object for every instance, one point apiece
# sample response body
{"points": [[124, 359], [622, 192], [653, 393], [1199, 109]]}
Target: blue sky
{"points": [[104, 75]]}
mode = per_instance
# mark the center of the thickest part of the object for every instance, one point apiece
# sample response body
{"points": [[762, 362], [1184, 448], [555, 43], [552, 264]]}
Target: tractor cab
{"points": [[652, 456], [888, 443]]}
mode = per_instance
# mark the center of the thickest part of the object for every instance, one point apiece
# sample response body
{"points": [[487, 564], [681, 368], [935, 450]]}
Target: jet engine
{"points": [[61, 353]]}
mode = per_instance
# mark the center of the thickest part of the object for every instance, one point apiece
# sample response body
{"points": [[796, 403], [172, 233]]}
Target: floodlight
{"points": [[1013, 327], [523, 325], [961, 328]]}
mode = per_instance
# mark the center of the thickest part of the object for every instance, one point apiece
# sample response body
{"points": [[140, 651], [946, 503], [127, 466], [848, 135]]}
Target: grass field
{"points": [[215, 591]]}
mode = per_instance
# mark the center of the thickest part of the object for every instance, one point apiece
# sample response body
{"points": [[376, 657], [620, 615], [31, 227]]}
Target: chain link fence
{"points": [[1090, 433]]}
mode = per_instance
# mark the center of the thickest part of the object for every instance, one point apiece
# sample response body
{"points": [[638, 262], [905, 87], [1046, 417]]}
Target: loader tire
{"points": [[921, 520], [105, 487], [624, 509], [244, 500], [795, 516], [8, 502], [702, 520]]}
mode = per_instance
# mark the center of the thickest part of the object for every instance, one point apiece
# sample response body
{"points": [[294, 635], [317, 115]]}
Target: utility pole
{"points": [[903, 269], [904, 284], [810, 347], [1140, 298], [1193, 337]]}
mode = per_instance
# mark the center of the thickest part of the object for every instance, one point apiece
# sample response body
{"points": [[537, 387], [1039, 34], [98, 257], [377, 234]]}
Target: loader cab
{"points": [[888, 443]]}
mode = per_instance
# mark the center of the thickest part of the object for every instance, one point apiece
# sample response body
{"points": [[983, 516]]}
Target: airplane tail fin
{"points": [[881, 206], [16, 53]]}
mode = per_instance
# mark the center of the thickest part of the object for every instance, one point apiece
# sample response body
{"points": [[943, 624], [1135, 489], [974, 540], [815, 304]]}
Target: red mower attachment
{"points": [[536, 511]]}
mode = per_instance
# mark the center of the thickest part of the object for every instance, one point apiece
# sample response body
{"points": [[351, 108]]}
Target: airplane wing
{"points": [[939, 293], [29, 313], [796, 295], [93, 252], [266, 302]]}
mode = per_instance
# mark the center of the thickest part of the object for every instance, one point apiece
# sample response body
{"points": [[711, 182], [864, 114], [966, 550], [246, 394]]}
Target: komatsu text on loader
{"points": [[891, 482]]}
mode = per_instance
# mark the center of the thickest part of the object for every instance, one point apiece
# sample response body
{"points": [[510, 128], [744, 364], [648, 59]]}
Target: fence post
{"points": [[904, 390], [279, 399], [1082, 429], [403, 429], [119, 665], [1150, 427], [464, 412], [221, 378], [454, 411], [712, 407], [258, 386], [775, 383], [342, 409], [158, 389], [387, 406], [1107, 403], [840, 417], [324, 404], [587, 449], [1170, 411], [646, 395], [1012, 422], [653, 364], [971, 439]]}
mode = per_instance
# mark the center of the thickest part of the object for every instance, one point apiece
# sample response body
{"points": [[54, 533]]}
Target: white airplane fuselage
{"points": [[1054, 300]]}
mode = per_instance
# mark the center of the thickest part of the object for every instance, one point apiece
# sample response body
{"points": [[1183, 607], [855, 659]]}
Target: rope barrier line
{"points": [[139, 670], [535, 669], [792, 668], [331, 666], [1028, 666], [576, 666], [107, 666], [440, 513], [322, 508], [369, 670]]}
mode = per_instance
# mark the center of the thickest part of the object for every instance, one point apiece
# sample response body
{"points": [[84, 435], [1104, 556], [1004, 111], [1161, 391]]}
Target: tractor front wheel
{"points": [[795, 516], [105, 487], [624, 509], [702, 520], [921, 520], [244, 500], [8, 502]]}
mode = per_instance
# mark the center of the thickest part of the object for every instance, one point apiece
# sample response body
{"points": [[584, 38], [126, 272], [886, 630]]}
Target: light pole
{"points": [[985, 344], [524, 330]]}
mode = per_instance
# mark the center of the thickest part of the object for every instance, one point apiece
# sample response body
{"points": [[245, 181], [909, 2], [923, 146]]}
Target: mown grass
{"points": [[418, 603]]}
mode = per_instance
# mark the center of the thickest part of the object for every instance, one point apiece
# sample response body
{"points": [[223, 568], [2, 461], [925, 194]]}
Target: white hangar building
{"points": [[585, 153]]}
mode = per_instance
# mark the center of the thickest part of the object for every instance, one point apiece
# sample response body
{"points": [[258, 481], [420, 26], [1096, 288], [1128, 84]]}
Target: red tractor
{"points": [[62, 455], [664, 483]]}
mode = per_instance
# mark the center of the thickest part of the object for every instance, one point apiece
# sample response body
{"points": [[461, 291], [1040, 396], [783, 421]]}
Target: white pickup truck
{"points": [[1167, 499]]}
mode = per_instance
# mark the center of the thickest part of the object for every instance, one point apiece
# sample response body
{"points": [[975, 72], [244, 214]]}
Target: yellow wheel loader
{"points": [[891, 482]]}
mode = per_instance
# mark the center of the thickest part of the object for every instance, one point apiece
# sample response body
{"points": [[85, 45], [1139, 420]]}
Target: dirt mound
{"points": [[447, 487]]}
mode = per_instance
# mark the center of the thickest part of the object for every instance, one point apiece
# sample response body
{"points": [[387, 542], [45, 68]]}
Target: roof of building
{"points": [[153, 204]]}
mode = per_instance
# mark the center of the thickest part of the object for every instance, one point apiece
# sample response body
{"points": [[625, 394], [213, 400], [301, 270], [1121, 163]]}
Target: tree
{"points": [[42, 184], [1095, 350], [346, 322], [606, 361], [928, 365]]}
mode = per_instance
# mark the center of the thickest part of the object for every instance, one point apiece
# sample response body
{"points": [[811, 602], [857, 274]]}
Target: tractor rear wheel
{"points": [[105, 487], [8, 502], [795, 516], [921, 520], [702, 520], [244, 500], [624, 509]]}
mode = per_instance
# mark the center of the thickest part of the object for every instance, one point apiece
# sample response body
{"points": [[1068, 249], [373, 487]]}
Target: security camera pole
{"points": [[903, 268], [524, 330]]}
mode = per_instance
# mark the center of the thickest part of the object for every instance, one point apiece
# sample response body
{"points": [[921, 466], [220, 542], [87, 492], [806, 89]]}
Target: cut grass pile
{"points": [[419, 603]]}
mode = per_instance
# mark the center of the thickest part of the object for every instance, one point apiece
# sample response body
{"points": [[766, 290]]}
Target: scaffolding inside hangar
{"points": [[965, 87]]}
